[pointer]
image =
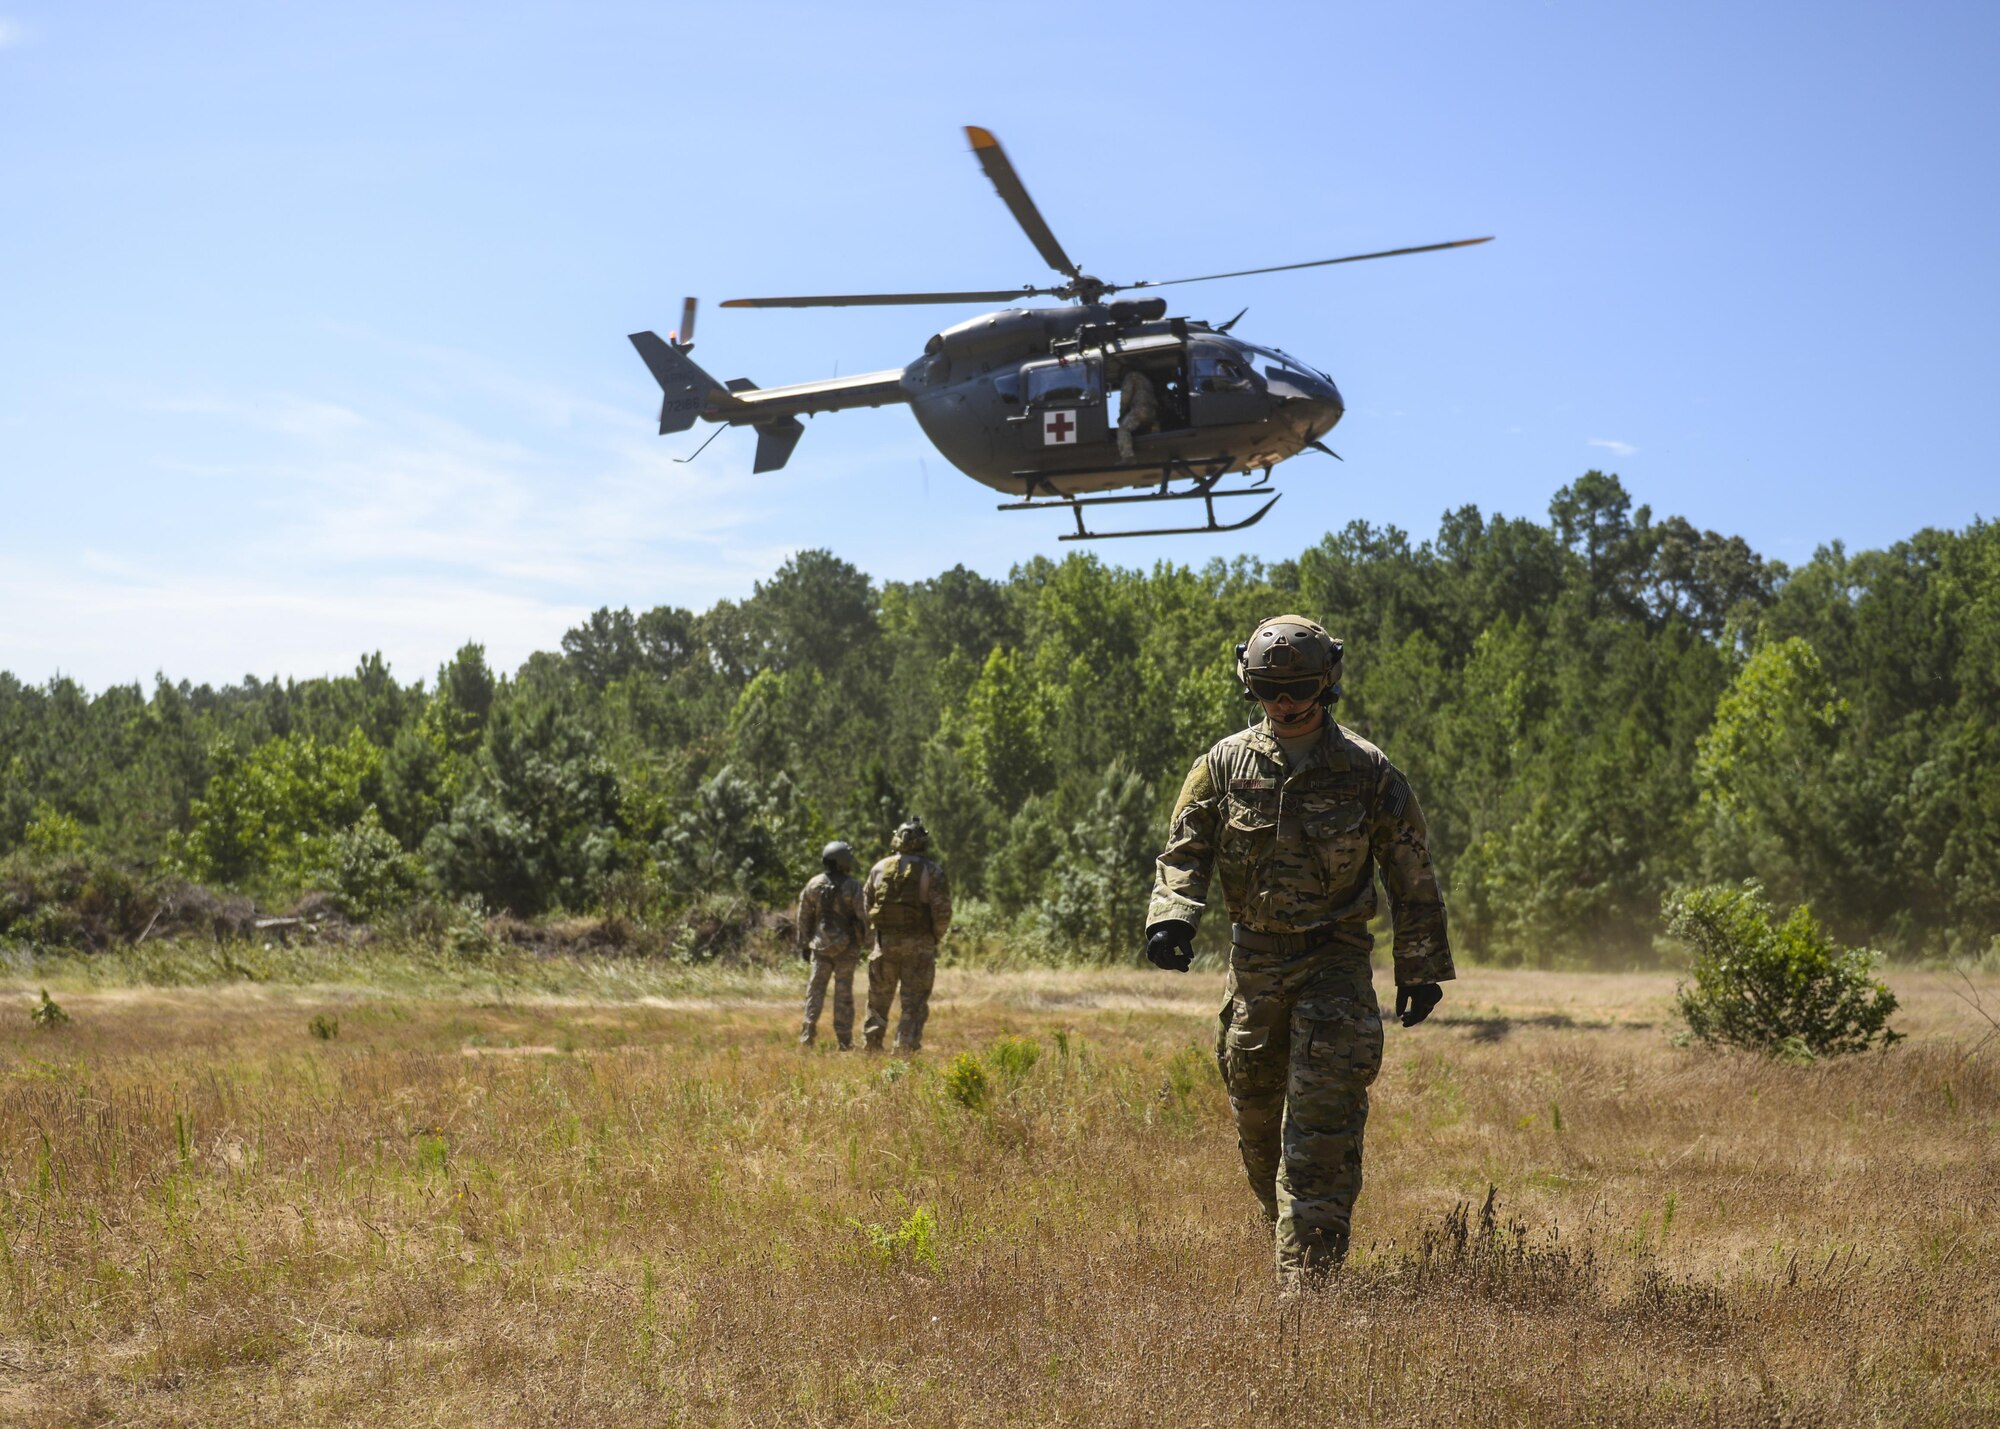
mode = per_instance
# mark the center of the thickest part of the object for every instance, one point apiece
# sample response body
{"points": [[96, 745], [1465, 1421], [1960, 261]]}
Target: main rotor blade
{"points": [[1317, 263], [855, 300], [993, 159]]}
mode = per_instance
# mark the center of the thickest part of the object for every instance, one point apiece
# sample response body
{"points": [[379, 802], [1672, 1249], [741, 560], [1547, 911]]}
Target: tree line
{"points": [[1594, 709]]}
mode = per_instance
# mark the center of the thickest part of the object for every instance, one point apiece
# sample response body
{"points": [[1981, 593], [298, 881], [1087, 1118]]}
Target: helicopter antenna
{"points": [[684, 460], [1233, 321]]}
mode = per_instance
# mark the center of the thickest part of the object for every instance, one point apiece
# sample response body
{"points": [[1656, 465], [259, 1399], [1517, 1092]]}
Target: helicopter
{"points": [[1022, 399]]}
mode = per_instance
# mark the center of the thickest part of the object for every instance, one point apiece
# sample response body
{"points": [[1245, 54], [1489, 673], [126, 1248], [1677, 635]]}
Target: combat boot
{"points": [[1314, 1258]]}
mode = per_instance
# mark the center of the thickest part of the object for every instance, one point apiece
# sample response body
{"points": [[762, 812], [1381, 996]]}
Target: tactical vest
{"points": [[901, 902]]}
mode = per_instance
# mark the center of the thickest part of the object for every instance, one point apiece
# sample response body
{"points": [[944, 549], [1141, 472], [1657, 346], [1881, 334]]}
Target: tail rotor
{"points": [[684, 338]]}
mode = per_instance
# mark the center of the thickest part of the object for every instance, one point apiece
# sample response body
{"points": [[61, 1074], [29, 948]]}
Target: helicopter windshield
{"points": [[1280, 362]]}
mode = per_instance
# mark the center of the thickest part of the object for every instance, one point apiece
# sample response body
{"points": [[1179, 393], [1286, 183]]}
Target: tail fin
{"points": [[688, 391]]}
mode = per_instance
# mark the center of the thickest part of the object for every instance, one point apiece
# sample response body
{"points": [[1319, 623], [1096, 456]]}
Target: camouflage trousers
{"points": [[1299, 1043], [840, 972], [908, 960]]}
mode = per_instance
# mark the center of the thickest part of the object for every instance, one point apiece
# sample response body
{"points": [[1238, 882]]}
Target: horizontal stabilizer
{"points": [[775, 441], [741, 384]]}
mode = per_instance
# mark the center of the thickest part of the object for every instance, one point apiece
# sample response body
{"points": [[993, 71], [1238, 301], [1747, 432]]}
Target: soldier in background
{"points": [[832, 931], [908, 900], [1295, 815]]}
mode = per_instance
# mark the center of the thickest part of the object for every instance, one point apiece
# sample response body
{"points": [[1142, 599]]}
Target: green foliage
{"points": [[1102, 872], [1772, 796], [542, 823], [48, 1014], [1592, 708], [965, 1081], [1014, 1057], [52, 833], [80, 901], [1788, 990], [760, 841], [911, 1244], [275, 813], [367, 871]]}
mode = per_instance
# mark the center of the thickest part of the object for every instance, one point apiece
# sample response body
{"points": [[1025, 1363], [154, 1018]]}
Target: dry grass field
{"points": [[490, 1207]]}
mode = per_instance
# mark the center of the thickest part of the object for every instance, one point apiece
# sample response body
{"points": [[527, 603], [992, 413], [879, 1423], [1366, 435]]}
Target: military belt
{"points": [[1292, 944]]}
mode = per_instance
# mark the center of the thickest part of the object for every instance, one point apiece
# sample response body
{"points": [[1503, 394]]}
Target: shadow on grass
{"points": [[1497, 1027]]}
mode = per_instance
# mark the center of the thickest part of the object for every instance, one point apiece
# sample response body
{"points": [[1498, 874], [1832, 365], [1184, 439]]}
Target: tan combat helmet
{"points": [[911, 837], [1286, 652]]}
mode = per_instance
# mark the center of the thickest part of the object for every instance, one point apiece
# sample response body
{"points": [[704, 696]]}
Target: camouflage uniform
{"points": [[1138, 411], [908, 899], [832, 930], [1300, 1038]]}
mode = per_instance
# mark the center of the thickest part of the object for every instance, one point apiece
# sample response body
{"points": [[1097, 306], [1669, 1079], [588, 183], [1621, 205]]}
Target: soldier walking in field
{"points": [[832, 932], [1295, 814], [908, 900]]}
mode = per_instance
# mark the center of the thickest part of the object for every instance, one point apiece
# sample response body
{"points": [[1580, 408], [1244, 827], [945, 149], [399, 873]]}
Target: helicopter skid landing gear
{"points": [[1205, 494]]}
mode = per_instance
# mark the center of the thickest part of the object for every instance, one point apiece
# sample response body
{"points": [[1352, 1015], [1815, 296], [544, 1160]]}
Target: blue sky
{"points": [[312, 328]]}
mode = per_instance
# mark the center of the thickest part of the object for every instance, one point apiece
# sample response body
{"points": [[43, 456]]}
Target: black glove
{"points": [[1170, 946], [1414, 1001]]}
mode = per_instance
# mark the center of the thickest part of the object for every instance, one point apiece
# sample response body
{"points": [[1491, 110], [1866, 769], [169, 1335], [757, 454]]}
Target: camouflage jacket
{"points": [[1297, 848], [831, 919], [908, 893]]}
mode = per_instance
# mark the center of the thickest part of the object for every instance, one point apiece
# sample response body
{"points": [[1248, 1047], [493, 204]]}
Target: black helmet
{"points": [[1289, 650], [837, 857]]}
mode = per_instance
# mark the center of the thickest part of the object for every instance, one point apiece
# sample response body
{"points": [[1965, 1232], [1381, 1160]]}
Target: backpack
{"points": [[901, 900]]}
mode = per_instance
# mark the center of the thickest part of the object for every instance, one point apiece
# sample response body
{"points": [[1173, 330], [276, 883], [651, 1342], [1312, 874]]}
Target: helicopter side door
{"points": [[1065, 405], [1223, 389]]}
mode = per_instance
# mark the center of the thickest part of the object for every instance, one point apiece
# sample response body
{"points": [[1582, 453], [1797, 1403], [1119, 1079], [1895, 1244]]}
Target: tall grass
{"points": [[478, 1205]]}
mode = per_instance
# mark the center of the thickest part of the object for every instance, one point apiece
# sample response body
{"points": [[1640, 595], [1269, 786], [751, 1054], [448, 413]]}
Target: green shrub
{"points": [[1789, 991], [52, 833], [1015, 1057], [965, 1081], [82, 901], [48, 1014], [367, 871], [911, 1245]]}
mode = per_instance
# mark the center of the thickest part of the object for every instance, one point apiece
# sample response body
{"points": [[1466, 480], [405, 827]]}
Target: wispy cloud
{"points": [[1615, 448], [376, 525]]}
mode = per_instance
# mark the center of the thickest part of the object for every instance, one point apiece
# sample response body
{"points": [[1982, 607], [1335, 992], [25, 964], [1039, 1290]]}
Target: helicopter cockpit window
{"points": [[1217, 372], [1008, 384], [1277, 363], [1076, 380]]}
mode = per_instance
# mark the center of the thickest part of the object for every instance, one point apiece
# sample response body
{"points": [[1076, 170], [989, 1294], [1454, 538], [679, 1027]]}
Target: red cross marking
{"points": [[1060, 426]]}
